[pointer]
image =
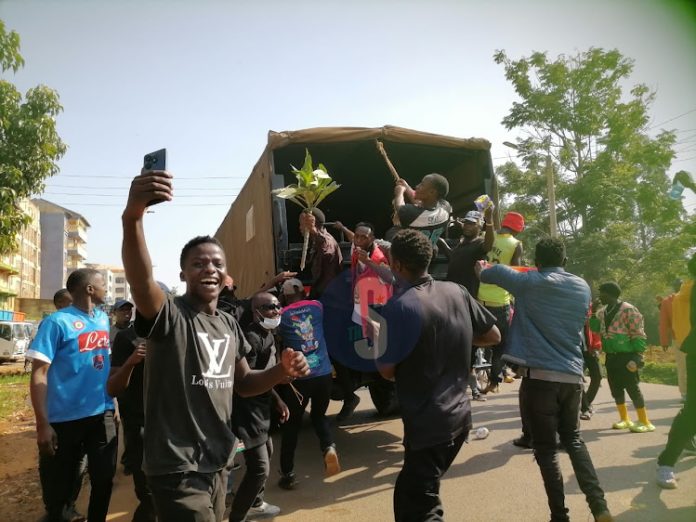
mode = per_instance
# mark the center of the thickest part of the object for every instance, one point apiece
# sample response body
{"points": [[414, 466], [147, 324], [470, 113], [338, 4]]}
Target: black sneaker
{"points": [[348, 408], [287, 480], [522, 442]]}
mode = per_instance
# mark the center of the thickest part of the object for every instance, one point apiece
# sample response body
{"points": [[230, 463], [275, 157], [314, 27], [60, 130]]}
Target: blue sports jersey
{"points": [[301, 327], [76, 345]]}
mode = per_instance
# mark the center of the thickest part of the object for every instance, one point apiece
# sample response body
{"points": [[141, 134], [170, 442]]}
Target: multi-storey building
{"points": [[121, 286], [63, 245], [9, 284], [20, 272], [115, 281]]}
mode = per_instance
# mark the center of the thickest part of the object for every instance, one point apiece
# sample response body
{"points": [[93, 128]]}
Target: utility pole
{"points": [[550, 189]]}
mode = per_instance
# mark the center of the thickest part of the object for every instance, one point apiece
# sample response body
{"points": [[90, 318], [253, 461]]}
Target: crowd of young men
{"points": [[190, 381]]}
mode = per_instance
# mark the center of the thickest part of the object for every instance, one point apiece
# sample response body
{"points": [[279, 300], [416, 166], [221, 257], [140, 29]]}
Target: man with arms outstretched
{"points": [[551, 306], [195, 357]]}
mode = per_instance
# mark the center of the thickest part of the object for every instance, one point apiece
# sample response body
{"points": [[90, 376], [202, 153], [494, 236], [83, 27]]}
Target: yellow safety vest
{"points": [[503, 249]]}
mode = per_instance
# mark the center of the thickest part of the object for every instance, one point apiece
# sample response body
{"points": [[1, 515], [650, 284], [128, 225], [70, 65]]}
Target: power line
{"points": [[91, 176], [672, 119], [126, 188], [80, 204], [50, 193]]}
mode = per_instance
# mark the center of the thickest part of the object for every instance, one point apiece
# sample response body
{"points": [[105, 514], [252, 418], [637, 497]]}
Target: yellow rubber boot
{"points": [[643, 425], [625, 423]]}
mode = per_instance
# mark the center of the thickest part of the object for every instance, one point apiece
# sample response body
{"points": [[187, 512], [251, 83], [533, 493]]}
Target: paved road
{"points": [[490, 480]]}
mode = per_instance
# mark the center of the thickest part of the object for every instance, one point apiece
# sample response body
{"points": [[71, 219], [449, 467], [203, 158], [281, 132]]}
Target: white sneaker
{"points": [[331, 464], [262, 511], [665, 477]]}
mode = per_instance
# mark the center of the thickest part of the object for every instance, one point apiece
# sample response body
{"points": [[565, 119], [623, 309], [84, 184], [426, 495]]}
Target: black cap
{"points": [[121, 303]]}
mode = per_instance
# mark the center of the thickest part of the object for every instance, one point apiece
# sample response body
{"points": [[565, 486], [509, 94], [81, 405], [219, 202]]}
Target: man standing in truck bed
{"points": [[325, 256], [429, 212]]}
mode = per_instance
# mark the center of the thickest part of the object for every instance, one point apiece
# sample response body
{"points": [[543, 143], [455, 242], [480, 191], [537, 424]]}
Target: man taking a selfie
{"points": [[195, 358]]}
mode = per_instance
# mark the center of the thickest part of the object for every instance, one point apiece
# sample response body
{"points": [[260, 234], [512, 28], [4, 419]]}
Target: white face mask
{"points": [[270, 323]]}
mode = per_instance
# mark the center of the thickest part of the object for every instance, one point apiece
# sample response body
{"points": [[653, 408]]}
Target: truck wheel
{"points": [[383, 394]]}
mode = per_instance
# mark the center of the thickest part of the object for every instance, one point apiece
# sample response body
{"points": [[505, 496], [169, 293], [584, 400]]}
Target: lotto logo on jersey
{"points": [[89, 341]]}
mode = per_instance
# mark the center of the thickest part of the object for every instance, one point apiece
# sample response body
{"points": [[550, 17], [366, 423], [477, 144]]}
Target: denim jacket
{"points": [[550, 310]]}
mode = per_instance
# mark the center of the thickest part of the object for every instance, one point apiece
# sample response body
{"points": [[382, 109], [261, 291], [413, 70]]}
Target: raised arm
{"points": [[147, 295], [399, 190], [489, 236], [443, 247], [278, 279], [348, 233]]}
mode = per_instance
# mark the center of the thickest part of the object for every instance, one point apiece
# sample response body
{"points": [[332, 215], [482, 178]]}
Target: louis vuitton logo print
{"points": [[216, 350]]}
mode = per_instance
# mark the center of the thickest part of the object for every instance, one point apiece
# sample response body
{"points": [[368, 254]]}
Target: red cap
{"points": [[514, 221]]}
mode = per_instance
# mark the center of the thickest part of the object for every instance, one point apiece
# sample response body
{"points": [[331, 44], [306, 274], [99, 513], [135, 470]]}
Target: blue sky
{"points": [[208, 79]]}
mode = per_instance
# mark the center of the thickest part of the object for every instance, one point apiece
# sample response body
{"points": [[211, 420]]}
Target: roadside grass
{"points": [[659, 373], [659, 368], [14, 392]]}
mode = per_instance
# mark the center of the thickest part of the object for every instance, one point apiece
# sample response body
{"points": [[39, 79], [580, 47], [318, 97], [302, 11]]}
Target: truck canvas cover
{"points": [[260, 233]]}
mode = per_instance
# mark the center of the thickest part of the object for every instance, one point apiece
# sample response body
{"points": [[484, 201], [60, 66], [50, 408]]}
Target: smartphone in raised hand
{"points": [[155, 161]]}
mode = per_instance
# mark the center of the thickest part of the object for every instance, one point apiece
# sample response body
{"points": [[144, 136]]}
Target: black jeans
{"points": [[592, 365], [502, 318], [417, 489], [550, 408], [189, 496], [318, 390], [251, 488], [344, 379], [95, 436], [621, 379], [133, 435], [684, 424]]}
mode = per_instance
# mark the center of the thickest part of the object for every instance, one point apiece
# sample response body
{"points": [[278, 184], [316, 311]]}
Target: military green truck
{"points": [[260, 232]]}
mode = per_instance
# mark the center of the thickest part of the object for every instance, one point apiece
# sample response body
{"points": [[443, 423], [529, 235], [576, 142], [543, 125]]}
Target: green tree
{"points": [[29, 143], [611, 179]]}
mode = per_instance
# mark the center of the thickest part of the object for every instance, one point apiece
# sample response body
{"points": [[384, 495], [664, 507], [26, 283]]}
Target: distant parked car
{"points": [[14, 340]]}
